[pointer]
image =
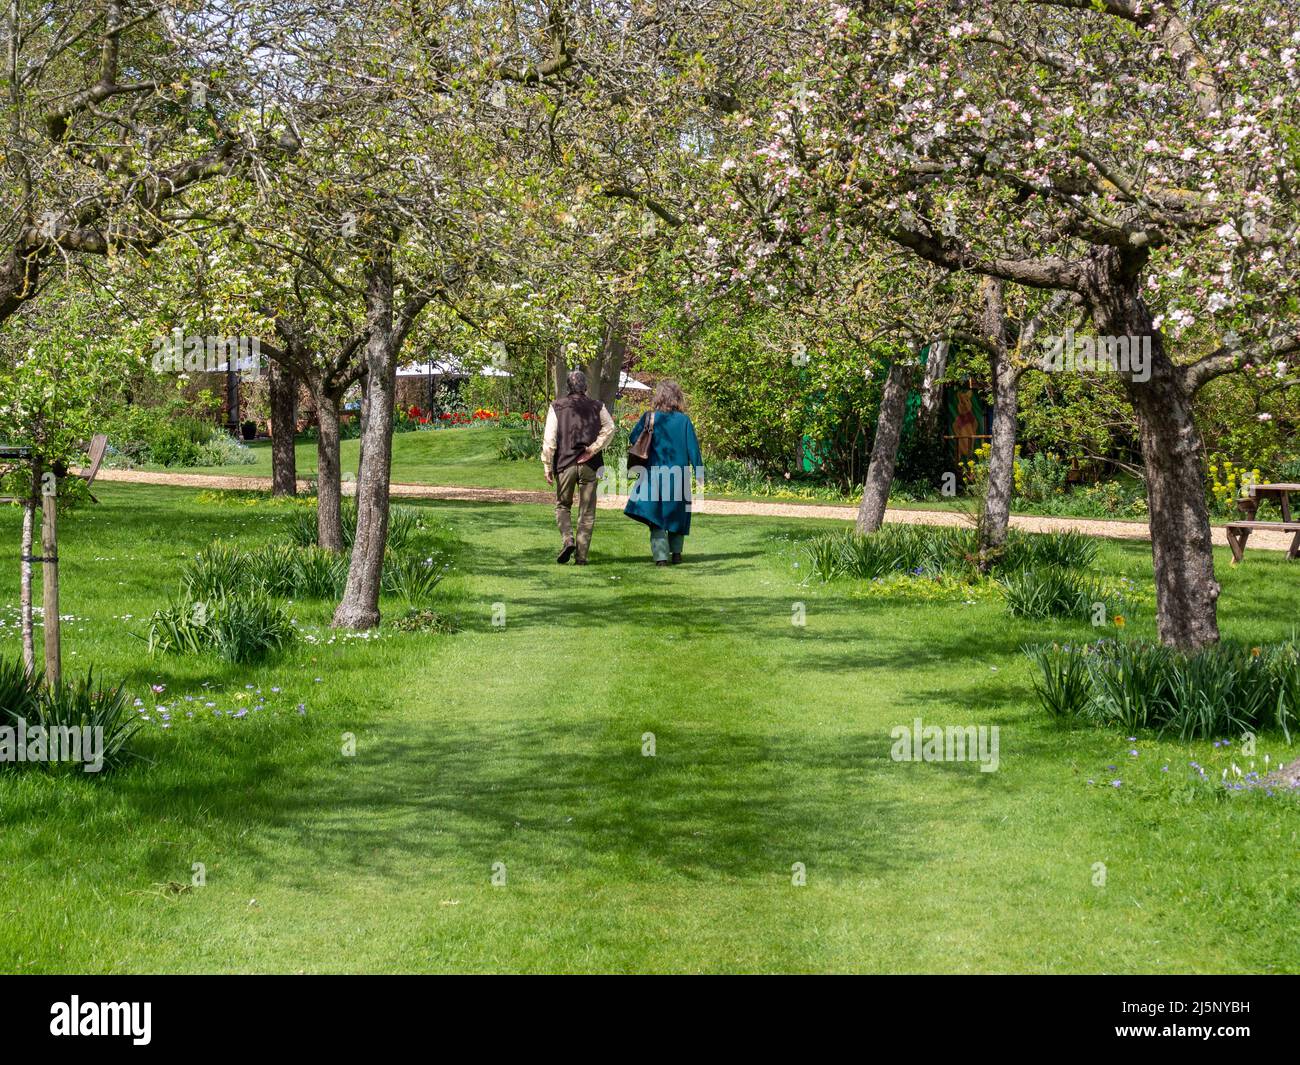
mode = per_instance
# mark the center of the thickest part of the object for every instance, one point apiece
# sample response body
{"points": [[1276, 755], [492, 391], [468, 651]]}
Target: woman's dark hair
{"points": [[668, 396]]}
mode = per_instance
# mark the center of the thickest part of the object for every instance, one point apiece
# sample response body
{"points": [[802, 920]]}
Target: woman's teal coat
{"points": [[660, 495]]}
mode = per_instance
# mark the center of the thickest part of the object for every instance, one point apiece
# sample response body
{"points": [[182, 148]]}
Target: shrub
{"points": [[219, 569], [1228, 482], [173, 447], [1130, 685], [416, 620], [73, 704], [222, 449], [1056, 592], [1118, 498], [1042, 476], [975, 471], [18, 692], [177, 440], [126, 454], [1049, 592], [933, 550], [301, 526], [1066, 550], [239, 627], [414, 579], [165, 436], [918, 549], [908, 491], [738, 476], [87, 704], [518, 446], [288, 572], [316, 574], [1062, 683], [275, 569]]}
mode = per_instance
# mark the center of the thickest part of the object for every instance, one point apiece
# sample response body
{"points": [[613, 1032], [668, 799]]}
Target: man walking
{"points": [[577, 429]]}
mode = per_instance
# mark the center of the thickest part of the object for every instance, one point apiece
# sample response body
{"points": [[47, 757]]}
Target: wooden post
{"points": [[25, 594], [50, 576]]}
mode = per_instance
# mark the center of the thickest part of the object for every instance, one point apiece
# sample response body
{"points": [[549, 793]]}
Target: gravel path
{"points": [[1114, 530]]}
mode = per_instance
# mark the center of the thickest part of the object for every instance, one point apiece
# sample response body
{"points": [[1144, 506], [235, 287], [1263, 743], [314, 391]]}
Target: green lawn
{"points": [[441, 456], [522, 745]]}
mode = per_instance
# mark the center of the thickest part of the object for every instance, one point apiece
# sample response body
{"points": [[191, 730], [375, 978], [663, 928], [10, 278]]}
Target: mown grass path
{"points": [[522, 744]]}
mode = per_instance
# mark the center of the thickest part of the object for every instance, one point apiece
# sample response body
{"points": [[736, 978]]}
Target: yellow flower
{"points": [[1119, 621], [1254, 652]]}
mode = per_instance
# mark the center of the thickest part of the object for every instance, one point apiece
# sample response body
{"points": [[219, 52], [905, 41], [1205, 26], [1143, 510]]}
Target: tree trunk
{"points": [[559, 372], [884, 448], [606, 369], [1174, 459], [18, 280], [232, 399], [995, 513], [329, 522], [1181, 546], [284, 417], [359, 608], [363, 419], [936, 366]]}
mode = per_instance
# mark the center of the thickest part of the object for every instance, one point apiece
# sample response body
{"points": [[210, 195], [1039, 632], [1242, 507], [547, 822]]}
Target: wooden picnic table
{"points": [[1278, 493], [1239, 531]]}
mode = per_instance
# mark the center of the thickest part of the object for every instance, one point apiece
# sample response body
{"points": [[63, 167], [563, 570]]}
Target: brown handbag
{"points": [[638, 454]]}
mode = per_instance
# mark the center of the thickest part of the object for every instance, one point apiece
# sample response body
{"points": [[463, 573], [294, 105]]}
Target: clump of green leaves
{"points": [[76, 703], [415, 620], [413, 578], [916, 549], [1130, 685], [516, 447], [928, 550], [239, 627]]}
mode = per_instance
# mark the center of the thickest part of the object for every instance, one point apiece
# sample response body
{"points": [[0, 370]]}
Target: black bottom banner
{"points": [[206, 1015]]}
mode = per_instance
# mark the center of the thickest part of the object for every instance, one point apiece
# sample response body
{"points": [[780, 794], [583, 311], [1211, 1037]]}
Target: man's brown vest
{"points": [[577, 420]]}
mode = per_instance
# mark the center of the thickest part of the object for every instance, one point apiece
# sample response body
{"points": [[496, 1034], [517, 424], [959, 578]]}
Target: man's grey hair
{"points": [[577, 382]]}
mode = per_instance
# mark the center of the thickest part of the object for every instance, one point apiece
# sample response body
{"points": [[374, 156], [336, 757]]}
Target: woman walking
{"points": [[661, 496]]}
